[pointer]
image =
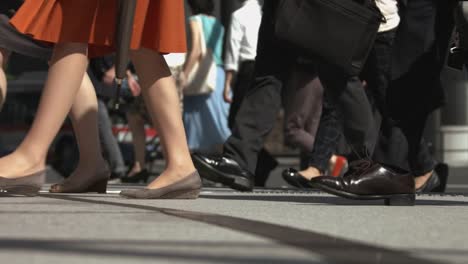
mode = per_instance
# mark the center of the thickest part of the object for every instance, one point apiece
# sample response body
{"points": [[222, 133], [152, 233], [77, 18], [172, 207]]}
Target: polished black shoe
{"points": [[375, 182], [223, 170], [141, 176], [293, 177]]}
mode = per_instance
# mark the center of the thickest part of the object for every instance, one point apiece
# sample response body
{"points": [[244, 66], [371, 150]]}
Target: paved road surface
{"points": [[223, 226]]}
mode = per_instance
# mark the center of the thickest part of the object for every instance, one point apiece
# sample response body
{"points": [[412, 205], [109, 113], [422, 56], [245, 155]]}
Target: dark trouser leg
{"points": [[257, 114], [423, 162], [254, 121], [392, 149], [349, 98], [109, 143], [243, 81], [265, 164], [303, 107], [327, 136], [418, 158], [265, 161]]}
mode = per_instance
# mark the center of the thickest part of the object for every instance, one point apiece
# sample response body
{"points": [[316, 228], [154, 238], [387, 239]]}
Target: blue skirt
{"points": [[206, 117]]}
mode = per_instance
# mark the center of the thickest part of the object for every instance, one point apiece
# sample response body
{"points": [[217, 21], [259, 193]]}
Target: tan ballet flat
{"points": [[186, 188], [29, 185]]}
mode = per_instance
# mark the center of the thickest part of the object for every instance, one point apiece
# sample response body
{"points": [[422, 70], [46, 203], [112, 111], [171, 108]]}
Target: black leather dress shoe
{"points": [[293, 177], [224, 170], [395, 186]]}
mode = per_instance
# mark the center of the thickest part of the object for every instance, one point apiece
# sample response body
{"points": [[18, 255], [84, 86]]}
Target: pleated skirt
{"points": [[159, 25]]}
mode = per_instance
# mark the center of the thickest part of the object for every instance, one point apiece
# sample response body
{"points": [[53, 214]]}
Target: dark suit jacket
{"points": [[419, 53]]}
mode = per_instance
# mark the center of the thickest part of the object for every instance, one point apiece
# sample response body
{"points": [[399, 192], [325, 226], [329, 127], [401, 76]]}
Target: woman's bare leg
{"points": [[84, 118], [3, 81], [66, 72], [137, 127], [162, 101]]}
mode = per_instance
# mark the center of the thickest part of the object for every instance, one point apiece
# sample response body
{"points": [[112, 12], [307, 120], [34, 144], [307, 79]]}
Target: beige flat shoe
{"points": [[29, 185], [186, 188]]}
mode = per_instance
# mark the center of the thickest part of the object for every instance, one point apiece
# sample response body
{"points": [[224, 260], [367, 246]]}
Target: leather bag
{"points": [[338, 32]]}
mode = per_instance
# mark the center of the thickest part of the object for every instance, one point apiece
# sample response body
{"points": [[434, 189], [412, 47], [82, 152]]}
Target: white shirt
{"points": [[389, 9], [243, 35]]}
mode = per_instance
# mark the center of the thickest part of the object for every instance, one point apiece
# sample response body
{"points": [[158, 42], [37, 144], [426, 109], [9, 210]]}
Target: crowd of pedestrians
{"points": [[214, 111]]}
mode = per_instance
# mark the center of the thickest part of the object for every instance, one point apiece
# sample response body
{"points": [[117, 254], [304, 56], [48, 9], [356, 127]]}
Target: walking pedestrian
{"points": [[205, 115], [83, 112], [258, 112], [86, 28]]}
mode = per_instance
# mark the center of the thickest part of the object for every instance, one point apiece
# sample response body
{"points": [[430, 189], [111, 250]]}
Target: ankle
{"points": [[31, 158], [311, 172], [422, 179], [180, 164], [181, 170]]}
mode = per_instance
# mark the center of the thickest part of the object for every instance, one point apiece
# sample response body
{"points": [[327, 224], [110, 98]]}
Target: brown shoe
{"points": [[97, 184], [28, 185], [186, 188], [393, 185]]}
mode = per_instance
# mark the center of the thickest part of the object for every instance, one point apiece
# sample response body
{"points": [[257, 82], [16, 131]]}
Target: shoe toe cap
{"points": [[289, 172]]}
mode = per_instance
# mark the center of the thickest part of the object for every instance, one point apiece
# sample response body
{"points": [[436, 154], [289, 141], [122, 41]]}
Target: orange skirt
{"points": [[159, 24]]}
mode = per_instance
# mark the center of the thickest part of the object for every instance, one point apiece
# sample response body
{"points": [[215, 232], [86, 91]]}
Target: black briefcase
{"points": [[339, 32]]}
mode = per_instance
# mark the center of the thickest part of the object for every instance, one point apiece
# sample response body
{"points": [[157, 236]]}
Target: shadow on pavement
{"points": [[167, 250], [331, 249]]}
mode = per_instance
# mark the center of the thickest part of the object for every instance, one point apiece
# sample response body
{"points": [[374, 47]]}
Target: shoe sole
{"points": [[391, 199], [192, 194], [208, 172], [25, 190], [183, 194]]}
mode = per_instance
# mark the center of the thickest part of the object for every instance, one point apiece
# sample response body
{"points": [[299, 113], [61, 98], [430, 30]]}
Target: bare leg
{"points": [[85, 124], [66, 73], [162, 101], [3, 82], [137, 127]]}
